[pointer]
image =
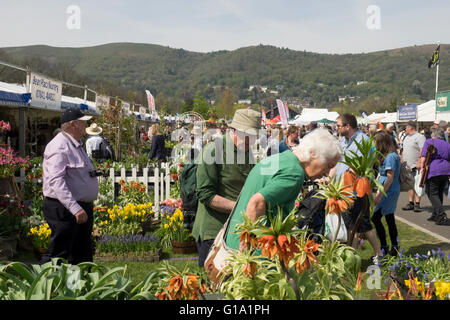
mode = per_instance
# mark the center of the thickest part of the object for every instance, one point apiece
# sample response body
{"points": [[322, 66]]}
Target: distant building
{"points": [[352, 99], [360, 83], [245, 101], [258, 88]]}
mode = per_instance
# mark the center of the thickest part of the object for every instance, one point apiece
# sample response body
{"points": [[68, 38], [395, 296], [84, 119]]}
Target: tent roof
{"points": [[314, 114]]}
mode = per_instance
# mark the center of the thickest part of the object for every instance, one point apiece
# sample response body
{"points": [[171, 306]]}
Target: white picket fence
{"points": [[159, 178]]}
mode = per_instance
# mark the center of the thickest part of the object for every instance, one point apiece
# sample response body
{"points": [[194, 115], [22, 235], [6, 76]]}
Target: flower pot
{"points": [[184, 247], [39, 252]]}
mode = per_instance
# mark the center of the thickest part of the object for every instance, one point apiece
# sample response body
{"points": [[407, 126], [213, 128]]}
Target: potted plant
{"points": [[41, 238], [9, 164], [12, 213], [173, 232]]}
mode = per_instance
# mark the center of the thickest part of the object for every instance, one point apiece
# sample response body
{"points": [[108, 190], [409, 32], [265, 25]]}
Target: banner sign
{"points": [[443, 101], [282, 111], [102, 101], [45, 93], [151, 102], [407, 112]]}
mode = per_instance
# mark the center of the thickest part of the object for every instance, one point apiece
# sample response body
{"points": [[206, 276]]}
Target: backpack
{"points": [[188, 187], [312, 214]]}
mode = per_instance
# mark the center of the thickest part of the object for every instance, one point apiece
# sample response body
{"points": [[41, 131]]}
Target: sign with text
{"points": [[45, 93], [407, 112], [443, 101], [102, 101]]}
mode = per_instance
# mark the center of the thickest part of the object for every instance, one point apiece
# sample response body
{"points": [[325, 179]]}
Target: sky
{"points": [[339, 26]]}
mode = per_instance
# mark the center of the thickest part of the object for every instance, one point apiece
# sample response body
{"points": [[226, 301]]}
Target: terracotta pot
{"points": [[184, 247], [39, 252]]}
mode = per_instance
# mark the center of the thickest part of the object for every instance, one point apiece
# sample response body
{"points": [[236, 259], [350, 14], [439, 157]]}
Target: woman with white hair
{"points": [[276, 181]]}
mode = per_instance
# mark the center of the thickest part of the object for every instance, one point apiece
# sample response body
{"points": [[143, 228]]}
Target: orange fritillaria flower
{"points": [[178, 290], [310, 248], [363, 187], [250, 269], [287, 248], [305, 260], [268, 246], [248, 239], [332, 206], [349, 179]]}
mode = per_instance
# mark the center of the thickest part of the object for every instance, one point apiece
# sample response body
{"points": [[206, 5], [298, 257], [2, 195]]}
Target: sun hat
{"points": [[74, 114], [246, 119], [442, 123], [94, 129], [390, 125]]}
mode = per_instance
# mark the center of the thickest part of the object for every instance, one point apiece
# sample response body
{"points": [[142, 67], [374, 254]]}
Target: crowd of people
{"points": [[231, 182]]}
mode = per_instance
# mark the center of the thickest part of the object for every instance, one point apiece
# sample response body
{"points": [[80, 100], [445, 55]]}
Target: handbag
{"points": [[405, 178], [218, 255], [331, 226]]}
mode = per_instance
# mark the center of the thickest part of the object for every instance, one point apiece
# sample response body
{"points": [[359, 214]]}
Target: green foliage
{"points": [[393, 77], [201, 107], [86, 281]]}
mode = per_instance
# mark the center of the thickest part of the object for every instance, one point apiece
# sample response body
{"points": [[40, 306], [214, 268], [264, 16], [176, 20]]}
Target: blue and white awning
{"points": [[14, 99]]}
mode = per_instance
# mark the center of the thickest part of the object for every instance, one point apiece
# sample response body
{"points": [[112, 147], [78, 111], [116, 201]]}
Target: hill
{"points": [[393, 76]]}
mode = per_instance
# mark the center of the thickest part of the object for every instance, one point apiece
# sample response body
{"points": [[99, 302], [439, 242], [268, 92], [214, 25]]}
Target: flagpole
{"points": [[437, 76], [437, 82]]}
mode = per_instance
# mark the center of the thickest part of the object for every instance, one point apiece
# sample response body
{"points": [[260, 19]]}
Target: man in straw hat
{"points": [[69, 189], [221, 174], [97, 147]]}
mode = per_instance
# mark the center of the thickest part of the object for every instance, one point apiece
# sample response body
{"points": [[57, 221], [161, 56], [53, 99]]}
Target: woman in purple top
{"points": [[438, 174]]}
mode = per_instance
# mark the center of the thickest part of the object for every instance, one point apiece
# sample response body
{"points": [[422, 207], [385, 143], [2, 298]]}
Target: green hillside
{"points": [[392, 76]]}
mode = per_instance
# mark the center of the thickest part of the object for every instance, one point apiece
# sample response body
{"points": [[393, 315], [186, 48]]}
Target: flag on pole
{"points": [[151, 102], [282, 111], [287, 110], [434, 60]]}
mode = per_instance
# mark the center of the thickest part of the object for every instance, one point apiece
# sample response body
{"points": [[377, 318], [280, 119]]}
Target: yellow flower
{"points": [[442, 289], [166, 226], [175, 229]]}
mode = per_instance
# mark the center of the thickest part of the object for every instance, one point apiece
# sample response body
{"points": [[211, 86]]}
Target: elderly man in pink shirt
{"points": [[70, 187]]}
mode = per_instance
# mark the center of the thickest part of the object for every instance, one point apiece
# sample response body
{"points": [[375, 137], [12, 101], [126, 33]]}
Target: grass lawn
{"points": [[411, 241]]}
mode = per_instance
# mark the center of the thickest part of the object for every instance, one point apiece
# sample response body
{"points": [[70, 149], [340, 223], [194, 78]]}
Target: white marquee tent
{"points": [[313, 114], [426, 112]]}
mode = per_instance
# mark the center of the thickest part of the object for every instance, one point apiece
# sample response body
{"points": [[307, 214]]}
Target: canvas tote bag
{"points": [[219, 253]]}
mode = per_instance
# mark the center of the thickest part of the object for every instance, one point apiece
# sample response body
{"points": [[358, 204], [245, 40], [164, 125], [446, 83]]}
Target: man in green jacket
{"points": [[221, 174]]}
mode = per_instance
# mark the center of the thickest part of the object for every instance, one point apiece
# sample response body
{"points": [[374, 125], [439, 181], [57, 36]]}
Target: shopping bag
{"points": [[419, 191], [218, 256], [331, 225]]}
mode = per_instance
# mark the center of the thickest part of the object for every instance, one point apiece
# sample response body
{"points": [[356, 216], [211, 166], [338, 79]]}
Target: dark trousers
{"points": [[203, 250], [434, 189], [390, 219], [68, 239]]}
